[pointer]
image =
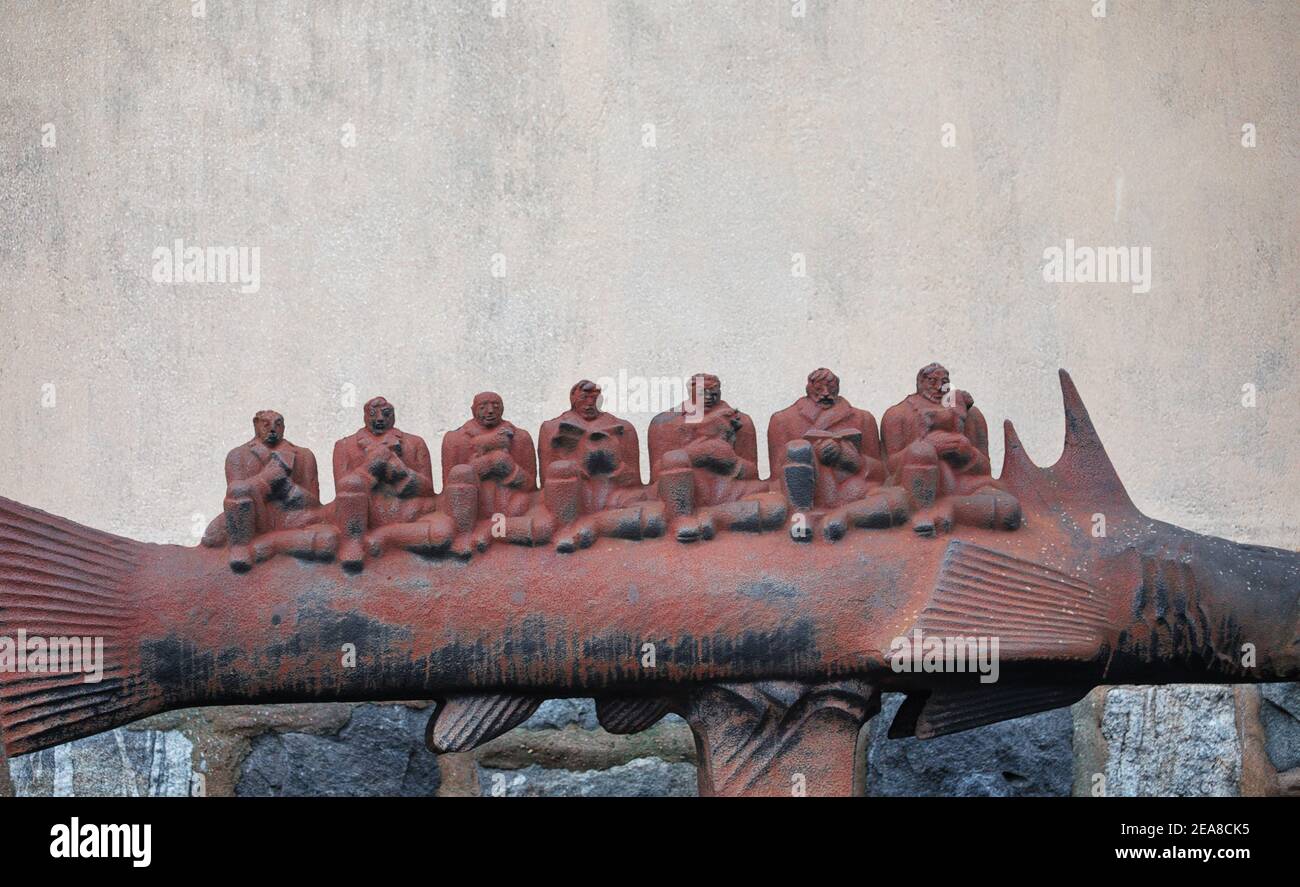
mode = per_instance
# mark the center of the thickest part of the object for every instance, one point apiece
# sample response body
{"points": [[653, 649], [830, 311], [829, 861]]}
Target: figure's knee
{"points": [[354, 483], [675, 460], [241, 490], [799, 451], [562, 469], [462, 474], [922, 453]]}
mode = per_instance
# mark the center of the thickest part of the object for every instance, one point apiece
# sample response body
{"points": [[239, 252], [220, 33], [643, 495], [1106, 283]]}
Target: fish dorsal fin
{"points": [[1083, 478], [630, 714], [945, 711], [467, 721]]}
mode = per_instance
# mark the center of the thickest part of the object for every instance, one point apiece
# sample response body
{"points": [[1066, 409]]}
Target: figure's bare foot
{"points": [[932, 522], [351, 556], [263, 550], [324, 544], [574, 537], [654, 522], [836, 525], [687, 529], [462, 546], [241, 558]]}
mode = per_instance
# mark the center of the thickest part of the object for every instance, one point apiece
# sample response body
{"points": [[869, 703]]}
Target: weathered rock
{"points": [[574, 748], [1180, 740], [379, 752], [1030, 756], [640, 778], [556, 713], [1280, 715], [128, 763]]}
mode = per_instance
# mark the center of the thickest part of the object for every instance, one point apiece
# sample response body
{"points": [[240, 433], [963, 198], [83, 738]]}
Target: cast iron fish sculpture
{"points": [[775, 652]]}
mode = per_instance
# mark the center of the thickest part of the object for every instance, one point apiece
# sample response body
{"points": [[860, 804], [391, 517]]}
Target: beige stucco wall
{"points": [[524, 135]]}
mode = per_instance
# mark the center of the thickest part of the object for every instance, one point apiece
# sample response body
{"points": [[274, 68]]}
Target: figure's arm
{"points": [[340, 462], [747, 442], [422, 464], [870, 436], [776, 442], [240, 465], [894, 436], [977, 430], [449, 454], [525, 456], [631, 455], [308, 476], [544, 450], [659, 440]]}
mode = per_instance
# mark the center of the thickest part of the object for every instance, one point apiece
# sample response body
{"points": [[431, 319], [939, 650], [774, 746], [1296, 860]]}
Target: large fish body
{"points": [[1087, 591]]}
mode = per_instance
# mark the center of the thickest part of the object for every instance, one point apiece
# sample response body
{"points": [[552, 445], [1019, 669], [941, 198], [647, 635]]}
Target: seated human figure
{"points": [[676, 428], [384, 493], [497, 458], [826, 454], [936, 449], [591, 474], [272, 502], [707, 485]]}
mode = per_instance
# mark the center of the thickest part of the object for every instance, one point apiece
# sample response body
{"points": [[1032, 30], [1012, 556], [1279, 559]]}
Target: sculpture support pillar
{"points": [[779, 738]]}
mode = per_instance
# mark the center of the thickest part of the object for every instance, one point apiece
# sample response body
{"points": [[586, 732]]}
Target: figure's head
{"points": [[488, 409], [584, 398], [268, 427], [380, 415], [932, 382], [706, 389], [823, 387]]}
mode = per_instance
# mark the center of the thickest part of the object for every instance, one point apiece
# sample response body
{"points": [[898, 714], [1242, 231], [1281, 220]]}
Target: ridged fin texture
{"points": [[630, 714], [952, 711], [62, 580], [465, 722], [1033, 610]]}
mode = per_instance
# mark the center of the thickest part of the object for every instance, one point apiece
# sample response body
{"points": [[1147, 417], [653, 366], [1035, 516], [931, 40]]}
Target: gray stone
{"points": [[555, 714], [639, 778], [1180, 740], [1030, 756], [119, 763], [1280, 715], [380, 752]]}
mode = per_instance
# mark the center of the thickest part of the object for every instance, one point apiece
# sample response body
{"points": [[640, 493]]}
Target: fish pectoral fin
{"points": [[940, 712], [630, 714], [1034, 612], [467, 721]]}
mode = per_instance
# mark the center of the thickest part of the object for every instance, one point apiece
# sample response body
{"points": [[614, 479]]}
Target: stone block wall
{"points": [[1131, 741]]}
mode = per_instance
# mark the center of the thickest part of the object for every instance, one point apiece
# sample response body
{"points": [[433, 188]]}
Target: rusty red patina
{"points": [[770, 614]]}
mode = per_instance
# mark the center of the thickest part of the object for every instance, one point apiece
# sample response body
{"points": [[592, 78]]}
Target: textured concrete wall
{"points": [[387, 159]]}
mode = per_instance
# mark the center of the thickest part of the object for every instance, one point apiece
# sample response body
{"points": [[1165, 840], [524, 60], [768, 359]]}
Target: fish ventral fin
{"points": [[630, 714], [463, 722], [941, 712], [1033, 611], [1082, 479]]}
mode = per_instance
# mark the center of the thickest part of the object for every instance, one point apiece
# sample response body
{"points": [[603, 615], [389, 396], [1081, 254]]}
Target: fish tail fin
{"points": [[66, 613]]}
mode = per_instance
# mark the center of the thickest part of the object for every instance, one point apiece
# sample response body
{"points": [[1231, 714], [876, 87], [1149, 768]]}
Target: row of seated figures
{"points": [[833, 470]]}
